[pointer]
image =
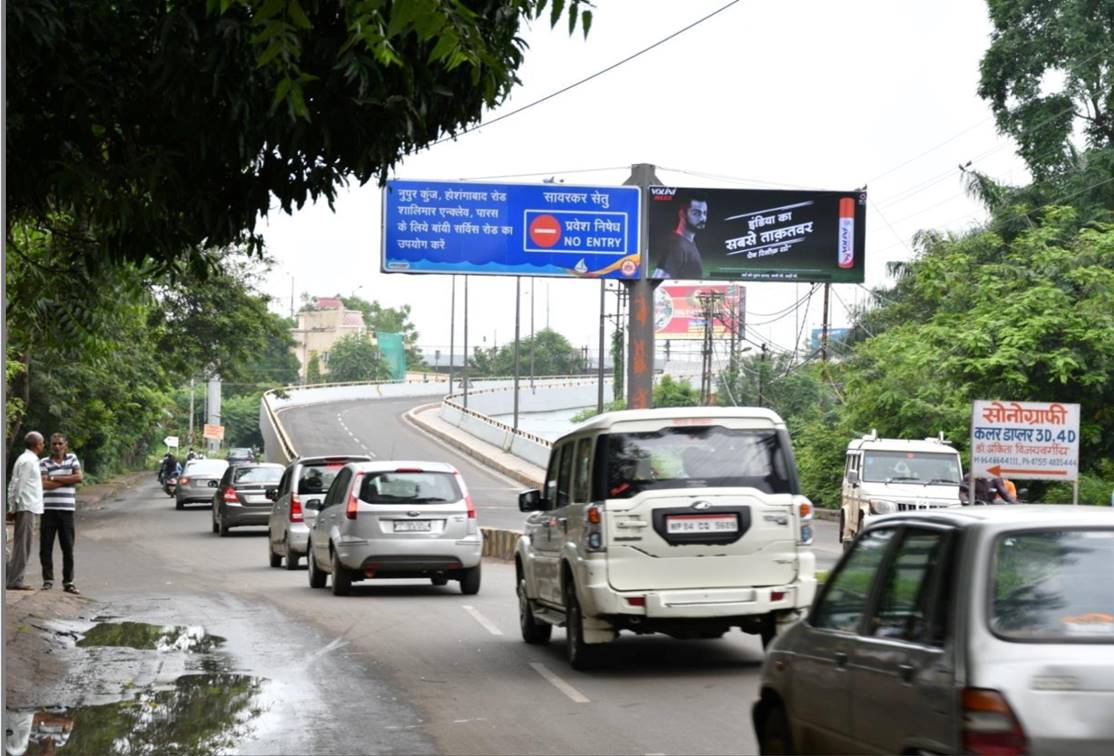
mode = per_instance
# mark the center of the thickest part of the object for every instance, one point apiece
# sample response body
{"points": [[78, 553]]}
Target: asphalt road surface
{"points": [[377, 428]]}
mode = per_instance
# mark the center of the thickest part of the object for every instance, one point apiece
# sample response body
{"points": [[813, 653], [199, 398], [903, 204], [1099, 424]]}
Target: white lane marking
{"points": [[484, 621], [355, 439], [559, 684], [332, 646]]}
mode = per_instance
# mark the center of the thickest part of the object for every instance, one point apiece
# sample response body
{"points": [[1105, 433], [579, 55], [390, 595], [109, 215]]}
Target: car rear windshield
{"points": [[206, 467], [1053, 586], [265, 475], [695, 457], [317, 477], [910, 467], [409, 488]]}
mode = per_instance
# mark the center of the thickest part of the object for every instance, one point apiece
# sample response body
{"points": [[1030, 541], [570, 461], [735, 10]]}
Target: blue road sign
{"points": [[511, 229]]}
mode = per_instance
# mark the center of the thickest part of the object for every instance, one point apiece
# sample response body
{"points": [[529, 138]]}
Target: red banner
{"points": [[679, 314]]}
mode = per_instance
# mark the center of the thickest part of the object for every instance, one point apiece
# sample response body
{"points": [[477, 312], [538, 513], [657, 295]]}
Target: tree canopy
{"points": [[553, 355], [148, 131], [355, 358]]}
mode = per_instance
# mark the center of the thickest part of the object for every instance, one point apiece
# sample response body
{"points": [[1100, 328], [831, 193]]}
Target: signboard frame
{"points": [[511, 229]]}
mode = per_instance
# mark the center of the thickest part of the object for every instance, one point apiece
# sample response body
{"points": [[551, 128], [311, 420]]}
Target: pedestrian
{"points": [[25, 499], [61, 472]]}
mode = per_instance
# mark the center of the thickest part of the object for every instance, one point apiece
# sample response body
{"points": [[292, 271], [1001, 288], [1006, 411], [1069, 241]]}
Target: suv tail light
{"points": [[804, 517], [296, 509], [593, 528], [183, 481], [989, 725], [230, 495]]}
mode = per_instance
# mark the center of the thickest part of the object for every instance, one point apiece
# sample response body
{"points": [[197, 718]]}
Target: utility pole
{"points": [[824, 327], [640, 330], [464, 375], [603, 318], [189, 438], [452, 330], [709, 311], [762, 378], [517, 311], [533, 281]]}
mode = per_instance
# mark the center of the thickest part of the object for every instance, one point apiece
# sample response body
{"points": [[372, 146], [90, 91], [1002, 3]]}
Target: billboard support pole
{"points": [[1075, 491], [452, 330], [824, 330], [464, 373], [603, 315], [533, 282], [640, 331], [517, 313]]}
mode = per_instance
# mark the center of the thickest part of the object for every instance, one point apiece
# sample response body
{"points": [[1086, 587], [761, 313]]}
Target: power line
{"points": [[544, 173], [586, 79]]}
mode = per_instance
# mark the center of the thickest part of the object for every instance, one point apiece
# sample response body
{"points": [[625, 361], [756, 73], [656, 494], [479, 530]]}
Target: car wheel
{"points": [[342, 578], [439, 580], [774, 736], [316, 576], [581, 656], [768, 631], [470, 581], [291, 556], [178, 505], [213, 519], [275, 559], [224, 529], [533, 632]]}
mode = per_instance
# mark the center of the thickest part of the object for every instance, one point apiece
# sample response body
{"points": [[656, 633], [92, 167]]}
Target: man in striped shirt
{"points": [[61, 473]]}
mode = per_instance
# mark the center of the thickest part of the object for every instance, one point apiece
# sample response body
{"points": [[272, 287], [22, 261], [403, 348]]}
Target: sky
{"points": [[788, 94]]}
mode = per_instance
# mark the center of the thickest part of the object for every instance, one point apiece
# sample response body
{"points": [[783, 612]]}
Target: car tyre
{"points": [[533, 632], [342, 578], [774, 736], [768, 631], [316, 576], [213, 520], [179, 506], [581, 655], [439, 580], [470, 581], [291, 556], [275, 559], [224, 529]]}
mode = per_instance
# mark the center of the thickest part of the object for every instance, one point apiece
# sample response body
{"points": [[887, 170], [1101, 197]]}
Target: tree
{"points": [[355, 358], [390, 320], [1048, 69], [159, 127], [553, 355]]}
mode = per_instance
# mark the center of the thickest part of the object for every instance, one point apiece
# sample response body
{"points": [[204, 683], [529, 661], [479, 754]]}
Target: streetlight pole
{"points": [[452, 330], [517, 312]]}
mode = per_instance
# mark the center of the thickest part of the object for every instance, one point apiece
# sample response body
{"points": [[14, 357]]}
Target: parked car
{"points": [[396, 520], [302, 488], [962, 630], [241, 496], [240, 454], [198, 481], [685, 521]]}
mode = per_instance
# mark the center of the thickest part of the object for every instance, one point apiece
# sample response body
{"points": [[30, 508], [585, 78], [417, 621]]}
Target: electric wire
{"points": [[545, 173], [586, 79]]}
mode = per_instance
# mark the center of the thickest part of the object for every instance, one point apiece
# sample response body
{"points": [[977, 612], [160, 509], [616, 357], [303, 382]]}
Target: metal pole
{"points": [[517, 313], [464, 375], [1075, 491], [824, 329], [291, 297], [452, 331], [640, 329], [190, 437], [603, 315], [532, 282]]}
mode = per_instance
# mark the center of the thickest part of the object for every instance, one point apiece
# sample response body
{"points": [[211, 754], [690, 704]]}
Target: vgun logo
{"points": [[663, 192]]}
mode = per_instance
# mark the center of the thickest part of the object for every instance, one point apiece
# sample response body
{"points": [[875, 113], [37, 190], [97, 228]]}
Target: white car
{"points": [[685, 521], [396, 520]]}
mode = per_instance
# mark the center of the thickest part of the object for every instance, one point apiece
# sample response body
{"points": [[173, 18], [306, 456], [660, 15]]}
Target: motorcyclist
{"points": [[168, 468]]}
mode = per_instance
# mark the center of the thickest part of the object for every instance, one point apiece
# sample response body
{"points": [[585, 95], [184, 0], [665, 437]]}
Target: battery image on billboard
{"points": [[846, 233]]}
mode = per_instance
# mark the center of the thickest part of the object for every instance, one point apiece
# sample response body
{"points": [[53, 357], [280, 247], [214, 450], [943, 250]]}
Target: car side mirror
{"points": [[531, 501], [313, 504], [271, 494], [853, 477]]}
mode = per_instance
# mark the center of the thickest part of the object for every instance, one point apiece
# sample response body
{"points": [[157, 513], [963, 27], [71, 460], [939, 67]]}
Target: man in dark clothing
{"points": [[680, 257]]}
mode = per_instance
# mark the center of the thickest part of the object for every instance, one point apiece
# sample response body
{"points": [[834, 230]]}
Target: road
{"points": [[377, 428]]}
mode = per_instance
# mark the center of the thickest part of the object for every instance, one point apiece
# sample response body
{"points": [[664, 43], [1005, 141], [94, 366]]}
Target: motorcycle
{"points": [[170, 484]]}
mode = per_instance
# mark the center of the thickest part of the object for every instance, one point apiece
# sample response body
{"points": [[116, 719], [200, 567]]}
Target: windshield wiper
{"points": [[897, 478], [949, 481]]}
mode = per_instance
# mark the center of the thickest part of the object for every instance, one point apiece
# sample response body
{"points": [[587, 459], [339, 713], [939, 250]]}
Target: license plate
{"points": [[704, 523], [413, 526]]}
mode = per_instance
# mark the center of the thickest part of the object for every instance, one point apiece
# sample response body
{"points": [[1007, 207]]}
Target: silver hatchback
{"points": [[972, 629], [396, 520]]}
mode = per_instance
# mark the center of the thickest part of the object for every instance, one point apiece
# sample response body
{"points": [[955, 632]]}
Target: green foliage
{"points": [[670, 392], [618, 363], [1047, 70], [390, 320], [313, 369], [240, 418], [355, 358], [553, 355], [160, 127]]}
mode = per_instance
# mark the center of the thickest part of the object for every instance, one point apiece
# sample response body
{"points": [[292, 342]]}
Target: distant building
{"points": [[322, 325]]}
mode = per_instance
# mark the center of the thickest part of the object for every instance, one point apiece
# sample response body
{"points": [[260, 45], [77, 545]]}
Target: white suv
{"points": [[686, 521]]}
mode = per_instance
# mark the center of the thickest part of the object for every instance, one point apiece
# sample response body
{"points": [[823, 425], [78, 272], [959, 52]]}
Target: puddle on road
{"points": [[141, 635], [201, 714]]}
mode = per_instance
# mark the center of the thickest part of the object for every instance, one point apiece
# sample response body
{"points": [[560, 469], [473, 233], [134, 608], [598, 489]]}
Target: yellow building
{"points": [[322, 326]]}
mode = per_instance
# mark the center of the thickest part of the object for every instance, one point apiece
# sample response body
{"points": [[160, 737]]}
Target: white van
{"points": [[886, 475], [686, 521]]}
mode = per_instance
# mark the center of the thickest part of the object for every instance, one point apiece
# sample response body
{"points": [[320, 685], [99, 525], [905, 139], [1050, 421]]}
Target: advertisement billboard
{"points": [[1025, 440], [757, 235], [678, 314], [511, 229]]}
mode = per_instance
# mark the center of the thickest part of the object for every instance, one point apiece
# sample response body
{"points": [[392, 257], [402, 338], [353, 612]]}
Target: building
{"points": [[322, 325]]}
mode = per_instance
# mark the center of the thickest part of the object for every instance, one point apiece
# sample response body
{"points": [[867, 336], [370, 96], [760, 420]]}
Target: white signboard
{"points": [[171, 441], [1025, 440]]}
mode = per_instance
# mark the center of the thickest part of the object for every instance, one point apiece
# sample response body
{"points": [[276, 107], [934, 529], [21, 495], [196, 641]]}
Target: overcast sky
{"points": [[785, 94]]}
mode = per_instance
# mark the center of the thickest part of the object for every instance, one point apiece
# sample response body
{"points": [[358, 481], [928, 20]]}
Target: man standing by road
{"points": [[680, 257], [61, 472], [25, 499]]}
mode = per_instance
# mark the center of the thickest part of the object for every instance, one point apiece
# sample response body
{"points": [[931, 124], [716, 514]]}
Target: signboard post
{"points": [[511, 229], [756, 235], [171, 441], [1025, 441]]}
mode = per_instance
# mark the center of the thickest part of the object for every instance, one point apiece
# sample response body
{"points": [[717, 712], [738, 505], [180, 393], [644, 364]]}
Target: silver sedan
{"points": [[199, 481]]}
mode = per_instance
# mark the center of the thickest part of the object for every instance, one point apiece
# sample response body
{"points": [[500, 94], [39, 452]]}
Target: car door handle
{"points": [[906, 672], [840, 659]]}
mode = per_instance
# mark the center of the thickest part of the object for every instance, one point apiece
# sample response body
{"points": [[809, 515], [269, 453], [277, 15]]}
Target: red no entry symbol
{"points": [[545, 231]]}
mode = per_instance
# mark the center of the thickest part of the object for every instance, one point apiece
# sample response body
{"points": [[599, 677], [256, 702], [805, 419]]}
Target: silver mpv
{"points": [[396, 520], [961, 630]]}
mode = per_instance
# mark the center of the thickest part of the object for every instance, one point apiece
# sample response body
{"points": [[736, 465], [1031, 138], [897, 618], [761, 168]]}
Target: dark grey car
{"points": [[198, 481], [241, 496]]}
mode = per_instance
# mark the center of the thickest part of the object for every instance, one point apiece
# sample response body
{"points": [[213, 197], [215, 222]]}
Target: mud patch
{"points": [[200, 714], [144, 636]]}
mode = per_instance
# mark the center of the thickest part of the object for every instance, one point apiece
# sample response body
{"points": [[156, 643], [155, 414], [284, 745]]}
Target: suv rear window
{"points": [[694, 457], [316, 478], [1053, 586], [409, 488]]}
